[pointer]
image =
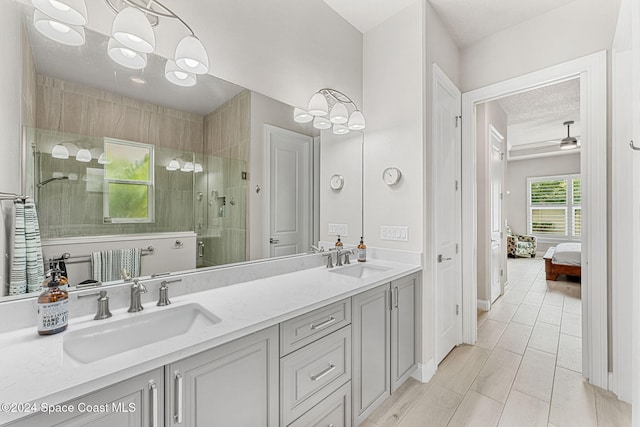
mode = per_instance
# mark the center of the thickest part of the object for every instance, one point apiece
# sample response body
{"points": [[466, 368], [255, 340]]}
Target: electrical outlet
{"points": [[338, 230], [394, 232]]}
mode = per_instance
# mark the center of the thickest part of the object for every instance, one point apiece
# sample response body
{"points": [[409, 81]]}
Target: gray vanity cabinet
{"points": [[136, 402], [384, 343], [235, 384]]}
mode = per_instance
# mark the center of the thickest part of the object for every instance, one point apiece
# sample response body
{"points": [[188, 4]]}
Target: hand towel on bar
{"points": [[27, 267], [108, 265]]}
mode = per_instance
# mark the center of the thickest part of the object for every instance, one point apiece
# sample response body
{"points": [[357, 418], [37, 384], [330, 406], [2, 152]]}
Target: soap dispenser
{"points": [[53, 305], [339, 243], [362, 250]]}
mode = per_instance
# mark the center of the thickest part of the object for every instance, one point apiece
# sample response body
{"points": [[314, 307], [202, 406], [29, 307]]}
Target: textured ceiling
{"points": [[535, 118]]}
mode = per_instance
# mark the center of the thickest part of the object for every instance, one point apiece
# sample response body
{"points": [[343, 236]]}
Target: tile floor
{"points": [[524, 370]]}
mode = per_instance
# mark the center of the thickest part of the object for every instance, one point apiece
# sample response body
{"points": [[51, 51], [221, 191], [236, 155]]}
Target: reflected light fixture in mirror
{"points": [[72, 12], [188, 167], [83, 155], [191, 55], [336, 105], [102, 159], [67, 34], [177, 75], [198, 168], [133, 30], [173, 165], [60, 152], [126, 57]]}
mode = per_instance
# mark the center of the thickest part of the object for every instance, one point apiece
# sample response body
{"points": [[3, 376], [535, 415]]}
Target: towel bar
{"points": [[69, 259]]}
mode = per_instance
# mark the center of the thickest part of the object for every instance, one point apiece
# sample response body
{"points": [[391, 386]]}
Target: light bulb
{"points": [[321, 123]]}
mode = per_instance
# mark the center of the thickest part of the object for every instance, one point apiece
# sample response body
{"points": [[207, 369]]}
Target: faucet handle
{"points": [[329, 260], [164, 292], [103, 304]]}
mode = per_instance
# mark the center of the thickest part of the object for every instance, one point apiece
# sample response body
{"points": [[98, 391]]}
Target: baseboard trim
{"points": [[484, 304], [425, 371]]}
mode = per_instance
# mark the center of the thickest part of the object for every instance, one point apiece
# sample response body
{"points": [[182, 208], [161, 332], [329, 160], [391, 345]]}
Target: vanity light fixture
{"points": [[570, 142], [60, 152], [125, 56], [133, 28], [64, 33], [334, 104], [198, 168], [173, 165], [102, 159], [188, 167], [72, 12], [83, 155]]}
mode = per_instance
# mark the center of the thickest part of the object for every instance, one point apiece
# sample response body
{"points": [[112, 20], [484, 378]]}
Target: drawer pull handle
{"points": [[323, 373], [154, 403], [320, 325], [178, 385]]}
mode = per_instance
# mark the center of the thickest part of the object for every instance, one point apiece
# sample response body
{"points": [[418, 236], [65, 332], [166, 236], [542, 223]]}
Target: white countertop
{"points": [[34, 368]]}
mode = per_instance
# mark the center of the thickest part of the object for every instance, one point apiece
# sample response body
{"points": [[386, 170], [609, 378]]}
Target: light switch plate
{"points": [[394, 232], [338, 230]]}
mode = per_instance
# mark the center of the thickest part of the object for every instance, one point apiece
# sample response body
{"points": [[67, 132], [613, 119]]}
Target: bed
{"points": [[563, 259]]}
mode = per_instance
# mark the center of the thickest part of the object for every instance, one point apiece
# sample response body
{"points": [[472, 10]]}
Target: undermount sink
{"points": [[359, 271], [103, 340]]}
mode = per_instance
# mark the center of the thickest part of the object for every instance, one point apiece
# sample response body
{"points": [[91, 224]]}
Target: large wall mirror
{"points": [[212, 174]]}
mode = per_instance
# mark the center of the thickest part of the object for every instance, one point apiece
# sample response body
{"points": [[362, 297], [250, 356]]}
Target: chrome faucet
{"points": [[137, 288], [103, 305], [329, 260], [315, 249], [164, 292], [340, 253]]}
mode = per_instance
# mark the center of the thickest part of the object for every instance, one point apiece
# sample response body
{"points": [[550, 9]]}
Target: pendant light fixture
{"points": [[191, 56], [335, 105], [173, 165], [83, 155], [133, 30], [177, 75], [568, 143], [61, 32], [198, 168], [60, 152], [125, 56], [72, 12], [187, 167]]}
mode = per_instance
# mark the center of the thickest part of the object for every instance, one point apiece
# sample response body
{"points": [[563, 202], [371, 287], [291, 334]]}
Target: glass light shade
{"points": [[133, 30], [60, 152], [102, 159], [83, 155], [356, 121], [73, 12], [318, 105], [126, 57], [191, 56], [57, 175], [173, 165], [321, 123], [198, 168], [188, 167], [301, 116], [339, 129], [72, 177], [339, 114], [70, 35], [178, 76], [569, 143]]}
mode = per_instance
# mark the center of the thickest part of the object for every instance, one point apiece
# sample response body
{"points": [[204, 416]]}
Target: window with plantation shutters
{"points": [[554, 206]]}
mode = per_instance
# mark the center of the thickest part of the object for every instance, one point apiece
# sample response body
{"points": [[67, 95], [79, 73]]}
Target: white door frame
{"points": [[494, 133], [592, 70], [440, 78]]}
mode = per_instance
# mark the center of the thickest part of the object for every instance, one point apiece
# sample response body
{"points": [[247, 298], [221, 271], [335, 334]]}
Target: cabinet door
{"points": [[403, 330], [235, 384], [371, 350], [134, 402]]}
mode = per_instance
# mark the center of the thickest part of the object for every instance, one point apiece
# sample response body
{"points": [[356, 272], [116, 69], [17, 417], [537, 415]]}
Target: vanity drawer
{"points": [[304, 329], [313, 373], [334, 411]]}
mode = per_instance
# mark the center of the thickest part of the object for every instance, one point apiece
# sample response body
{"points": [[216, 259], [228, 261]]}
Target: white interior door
{"points": [[290, 191], [497, 178], [447, 226]]}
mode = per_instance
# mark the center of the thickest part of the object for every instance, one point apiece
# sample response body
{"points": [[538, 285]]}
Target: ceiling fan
{"points": [[570, 142]]}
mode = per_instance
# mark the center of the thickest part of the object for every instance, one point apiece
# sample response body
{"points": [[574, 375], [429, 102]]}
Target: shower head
{"points": [[46, 181]]}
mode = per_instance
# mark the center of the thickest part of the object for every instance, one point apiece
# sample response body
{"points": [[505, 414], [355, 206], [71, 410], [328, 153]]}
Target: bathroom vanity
{"points": [[301, 347]]}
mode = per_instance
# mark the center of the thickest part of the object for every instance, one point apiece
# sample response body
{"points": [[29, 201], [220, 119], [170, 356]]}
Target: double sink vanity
{"points": [[275, 343]]}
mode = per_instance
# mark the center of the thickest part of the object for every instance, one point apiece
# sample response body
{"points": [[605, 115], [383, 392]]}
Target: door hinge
{"points": [[501, 272], [501, 196], [458, 120], [501, 156], [501, 234], [457, 246], [456, 185], [457, 309]]}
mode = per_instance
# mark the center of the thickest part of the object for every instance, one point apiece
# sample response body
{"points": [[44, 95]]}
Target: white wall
{"points": [[580, 28], [487, 114], [517, 173]]}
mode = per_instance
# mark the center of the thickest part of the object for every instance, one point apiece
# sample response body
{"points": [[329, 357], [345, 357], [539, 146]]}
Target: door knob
{"points": [[441, 258], [273, 241]]}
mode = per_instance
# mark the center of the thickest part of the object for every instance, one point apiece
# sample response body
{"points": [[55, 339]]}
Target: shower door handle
{"points": [[201, 249]]}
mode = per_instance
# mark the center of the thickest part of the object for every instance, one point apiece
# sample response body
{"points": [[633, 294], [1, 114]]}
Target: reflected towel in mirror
{"points": [[27, 268], [108, 265]]}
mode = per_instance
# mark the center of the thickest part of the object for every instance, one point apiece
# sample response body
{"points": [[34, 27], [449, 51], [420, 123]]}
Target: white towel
{"points": [[108, 265], [27, 268]]}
